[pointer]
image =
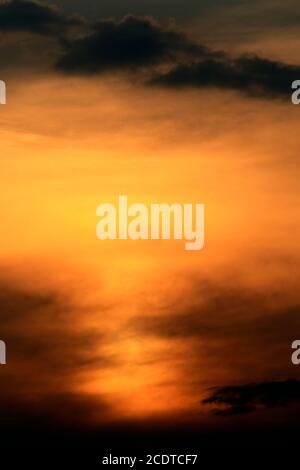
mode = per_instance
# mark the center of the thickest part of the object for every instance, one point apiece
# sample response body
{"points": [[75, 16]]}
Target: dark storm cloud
{"points": [[234, 400], [129, 43], [32, 16], [253, 75]]}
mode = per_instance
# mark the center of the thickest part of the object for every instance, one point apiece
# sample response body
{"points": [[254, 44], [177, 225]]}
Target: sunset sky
{"points": [[163, 101]]}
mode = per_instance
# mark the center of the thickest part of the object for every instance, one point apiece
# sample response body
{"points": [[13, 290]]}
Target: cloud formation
{"points": [[139, 43], [220, 310], [253, 75], [234, 400], [219, 329], [158, 55], [127, 44], [48, 353], [33, 16]]}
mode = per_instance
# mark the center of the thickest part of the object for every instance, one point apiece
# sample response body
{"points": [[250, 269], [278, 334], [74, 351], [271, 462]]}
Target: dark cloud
{"points": [[127, 44], [218, 310], [134, 43], [49, 355], [48, 350], [234, 400], [164, 56], [33, 16], [42, 328], [250, 74], [221, 328]]}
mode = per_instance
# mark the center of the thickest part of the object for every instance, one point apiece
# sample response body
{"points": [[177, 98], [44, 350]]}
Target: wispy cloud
{"points": [[48, 352]]}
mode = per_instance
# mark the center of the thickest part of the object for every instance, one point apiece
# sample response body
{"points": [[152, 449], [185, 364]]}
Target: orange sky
{"points": [[68, 145]]}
